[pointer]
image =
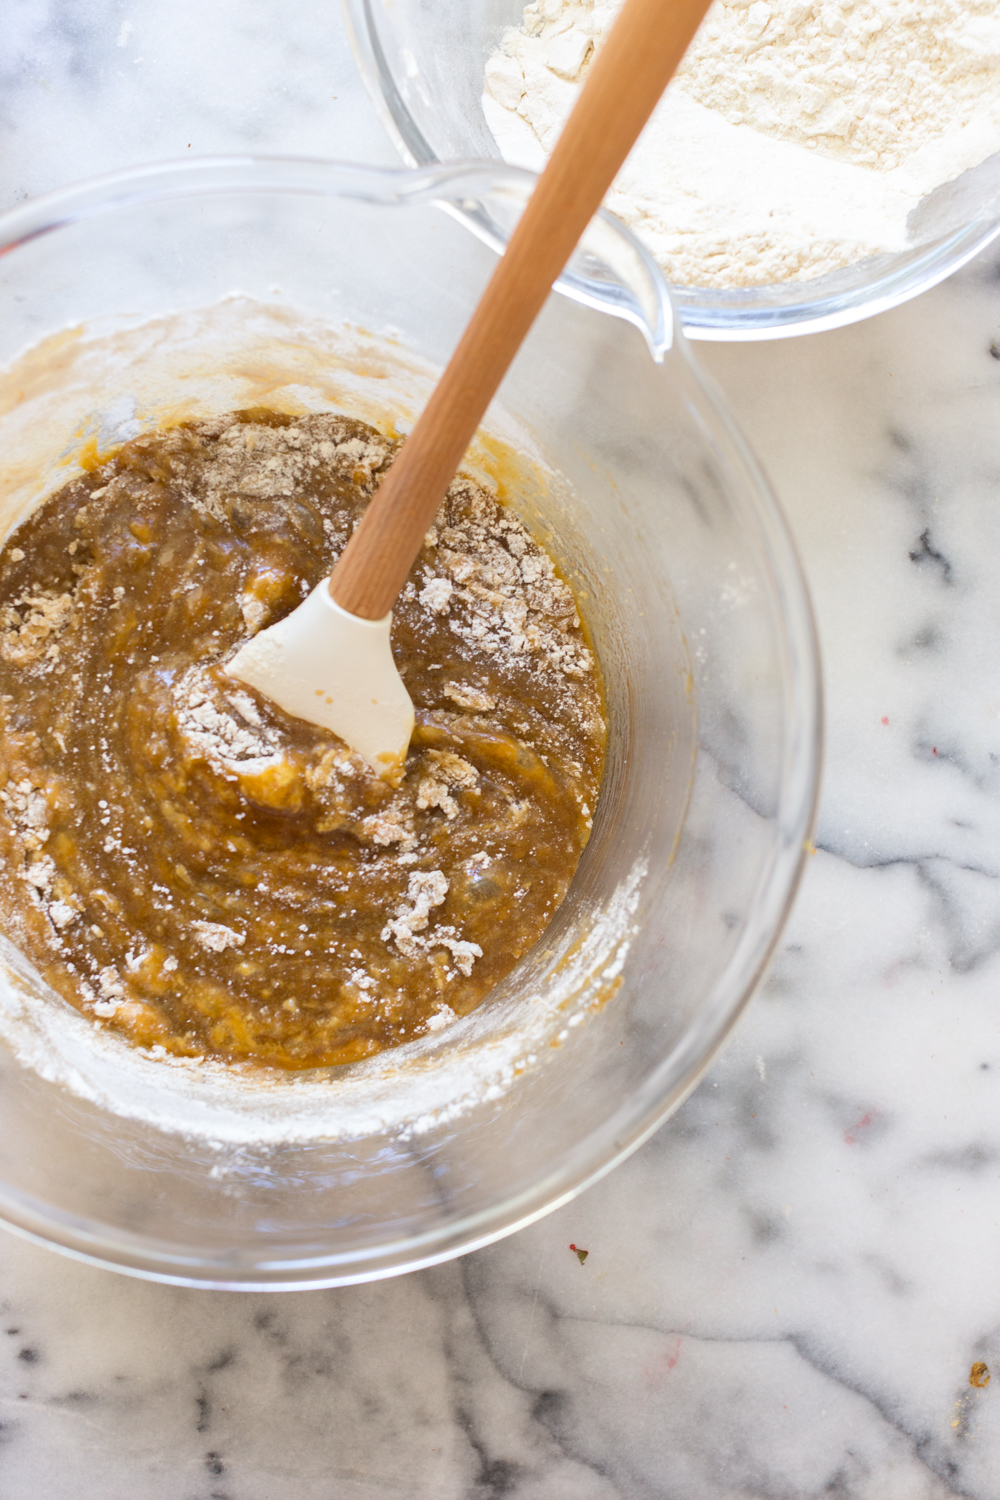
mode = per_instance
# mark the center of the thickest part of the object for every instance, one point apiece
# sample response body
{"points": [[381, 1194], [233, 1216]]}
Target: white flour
{"points": [[796, 138]]}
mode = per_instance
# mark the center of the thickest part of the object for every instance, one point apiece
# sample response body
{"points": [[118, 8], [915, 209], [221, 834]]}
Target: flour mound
{"points": [[796, 138]]}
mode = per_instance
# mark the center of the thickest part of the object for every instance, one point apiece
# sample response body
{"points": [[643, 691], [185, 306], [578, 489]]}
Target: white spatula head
{"points": [[336, 670]]}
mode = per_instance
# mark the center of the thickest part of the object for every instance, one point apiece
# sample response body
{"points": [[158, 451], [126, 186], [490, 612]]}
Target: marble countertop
{"points": [[787, 1287]]}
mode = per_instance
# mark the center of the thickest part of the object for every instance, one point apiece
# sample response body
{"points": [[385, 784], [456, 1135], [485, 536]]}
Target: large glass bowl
{"points": [[423, 63], [185, 289]]}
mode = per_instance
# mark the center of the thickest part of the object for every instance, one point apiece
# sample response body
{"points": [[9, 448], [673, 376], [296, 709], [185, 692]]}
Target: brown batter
{"points": [[201, 871]]}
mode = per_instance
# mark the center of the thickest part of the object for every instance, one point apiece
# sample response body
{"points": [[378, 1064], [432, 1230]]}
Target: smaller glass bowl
{"points": [[423, 63]]}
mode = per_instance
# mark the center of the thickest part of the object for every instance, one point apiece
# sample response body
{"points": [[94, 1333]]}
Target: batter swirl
{"points": [[200, 871]]}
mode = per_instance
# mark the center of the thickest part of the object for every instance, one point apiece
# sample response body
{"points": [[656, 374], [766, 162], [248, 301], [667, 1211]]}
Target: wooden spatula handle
{"points": [[625, 81]]}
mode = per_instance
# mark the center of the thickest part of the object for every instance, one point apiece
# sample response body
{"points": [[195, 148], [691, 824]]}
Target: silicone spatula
{"points": [[330, 660]]}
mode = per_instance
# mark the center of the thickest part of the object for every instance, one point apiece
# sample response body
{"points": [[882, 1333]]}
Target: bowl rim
{"points": [[896, 284], [798, 787]]}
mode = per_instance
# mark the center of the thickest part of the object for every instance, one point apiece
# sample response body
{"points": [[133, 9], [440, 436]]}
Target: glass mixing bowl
{"points": [[185, 289], [423, 62]]}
